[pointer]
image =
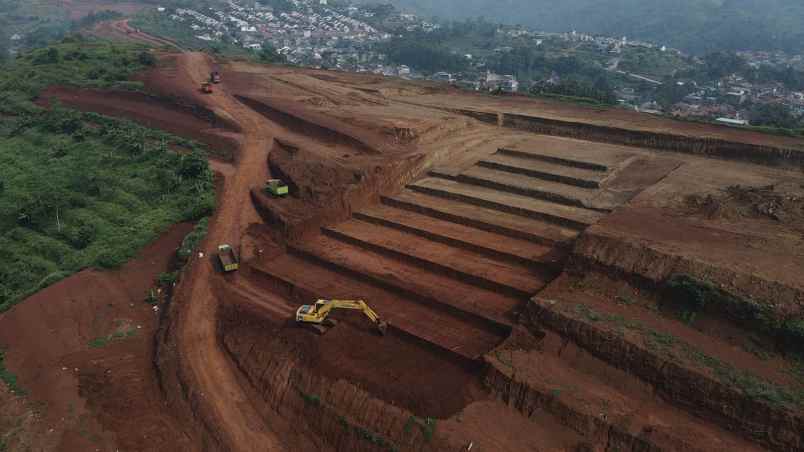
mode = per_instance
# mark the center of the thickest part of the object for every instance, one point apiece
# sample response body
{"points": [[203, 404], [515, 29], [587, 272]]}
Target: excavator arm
{"points": [[317, 313]]}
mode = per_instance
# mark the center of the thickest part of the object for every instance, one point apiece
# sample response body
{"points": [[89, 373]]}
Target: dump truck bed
{"points": [[228, 259]]}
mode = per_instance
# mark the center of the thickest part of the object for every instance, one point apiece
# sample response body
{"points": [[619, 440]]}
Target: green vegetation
{"points": [[159, 24], [367, 435], [310, 399], [426, 425], [577, 91], [9, 379], [675, 348], [775, 116], [100, 342], [526, 61], [168, 279], [314, 401], [268, 54], [692, 296], [192, 240], [424, 56], [82, 190], [40, 23]]}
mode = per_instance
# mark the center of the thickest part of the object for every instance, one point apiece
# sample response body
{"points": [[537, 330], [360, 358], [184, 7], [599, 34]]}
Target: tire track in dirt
{"points": [[213, 374]]}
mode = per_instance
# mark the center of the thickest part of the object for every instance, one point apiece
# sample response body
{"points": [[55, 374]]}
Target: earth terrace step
{"points": [[554, 159], [719, 395], [534, 382], [570, 217], [519, 184], [483, 218], [466, 341], [540, 169], [492, 309], [492, 244], [512, 279]]}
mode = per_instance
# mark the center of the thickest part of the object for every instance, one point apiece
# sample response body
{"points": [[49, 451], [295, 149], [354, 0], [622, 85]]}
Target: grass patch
{"points": [[9, 379], [751, 385], [426, 425], [310, 399], [82, 190], [674, 348], [100, 342], [313, 400], [167, 279], [572, 99], [159, 24], [693, 296], [192, 240]]}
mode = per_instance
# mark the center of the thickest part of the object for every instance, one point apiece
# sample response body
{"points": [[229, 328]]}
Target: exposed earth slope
{"points": [[554, 277]]}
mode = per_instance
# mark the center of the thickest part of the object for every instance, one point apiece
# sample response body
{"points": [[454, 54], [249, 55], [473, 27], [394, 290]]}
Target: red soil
{"points": [[196, 124], [95, 397], [219, 342], [392, 368], [611, 117]]}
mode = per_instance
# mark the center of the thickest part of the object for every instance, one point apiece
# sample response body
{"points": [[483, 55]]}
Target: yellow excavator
{"points": [[315, 316]]}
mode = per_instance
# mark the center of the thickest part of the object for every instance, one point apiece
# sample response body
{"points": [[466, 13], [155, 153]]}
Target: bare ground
{"points": [[452, 228]]}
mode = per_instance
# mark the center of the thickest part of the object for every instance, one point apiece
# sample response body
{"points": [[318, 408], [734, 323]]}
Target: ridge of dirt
{"points": [[606, 116], [784, 204], [195, 123]]}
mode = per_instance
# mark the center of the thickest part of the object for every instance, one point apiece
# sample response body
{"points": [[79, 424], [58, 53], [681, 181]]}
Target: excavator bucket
{"points": [[320, 329], [382, 327]]}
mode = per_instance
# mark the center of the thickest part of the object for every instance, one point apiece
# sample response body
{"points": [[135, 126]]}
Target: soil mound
{"points": [[783, 204]]}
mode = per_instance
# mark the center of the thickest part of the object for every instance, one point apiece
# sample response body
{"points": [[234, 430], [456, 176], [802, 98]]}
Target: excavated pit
{"points": [[457, 231]]}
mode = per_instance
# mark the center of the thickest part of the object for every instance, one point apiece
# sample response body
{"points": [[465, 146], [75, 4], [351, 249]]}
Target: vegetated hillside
{"points": [[694, 25], [39, 22], [80, 189]]}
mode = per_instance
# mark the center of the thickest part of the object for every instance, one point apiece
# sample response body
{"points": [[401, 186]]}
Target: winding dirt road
{"points": [[233, 415], [120, 29]]}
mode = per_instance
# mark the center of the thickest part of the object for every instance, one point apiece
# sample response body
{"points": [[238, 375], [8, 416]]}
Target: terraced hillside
{"points": [[547, 289]]}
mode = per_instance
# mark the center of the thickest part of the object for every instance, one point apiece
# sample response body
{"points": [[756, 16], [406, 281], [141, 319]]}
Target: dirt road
{"points": [[233, 415], [120, 29]]}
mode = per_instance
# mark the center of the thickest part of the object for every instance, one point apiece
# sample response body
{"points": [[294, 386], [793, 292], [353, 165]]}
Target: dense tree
{"points": [[599, 92], [671, 93], [3, 51], [146, 58], [527, 62], [268, 54], [424, 56], [774, 115], [721, 64]]}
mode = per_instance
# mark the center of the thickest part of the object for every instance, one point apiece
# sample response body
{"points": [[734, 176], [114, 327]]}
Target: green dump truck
{"points": [[275, 187], [228, 258]]}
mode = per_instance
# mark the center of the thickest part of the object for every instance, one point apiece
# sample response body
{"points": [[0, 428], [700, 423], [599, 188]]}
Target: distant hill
{"points": [[697, 26]]}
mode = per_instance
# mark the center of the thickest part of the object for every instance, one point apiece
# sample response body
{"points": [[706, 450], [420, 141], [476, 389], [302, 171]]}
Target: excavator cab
{"points": [[316, 316]]}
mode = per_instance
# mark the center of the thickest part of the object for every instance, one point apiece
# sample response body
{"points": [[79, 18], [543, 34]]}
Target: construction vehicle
{"points": [[228, 258], [276, 187], [206, 88], [215, 77], [316, 316]]}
